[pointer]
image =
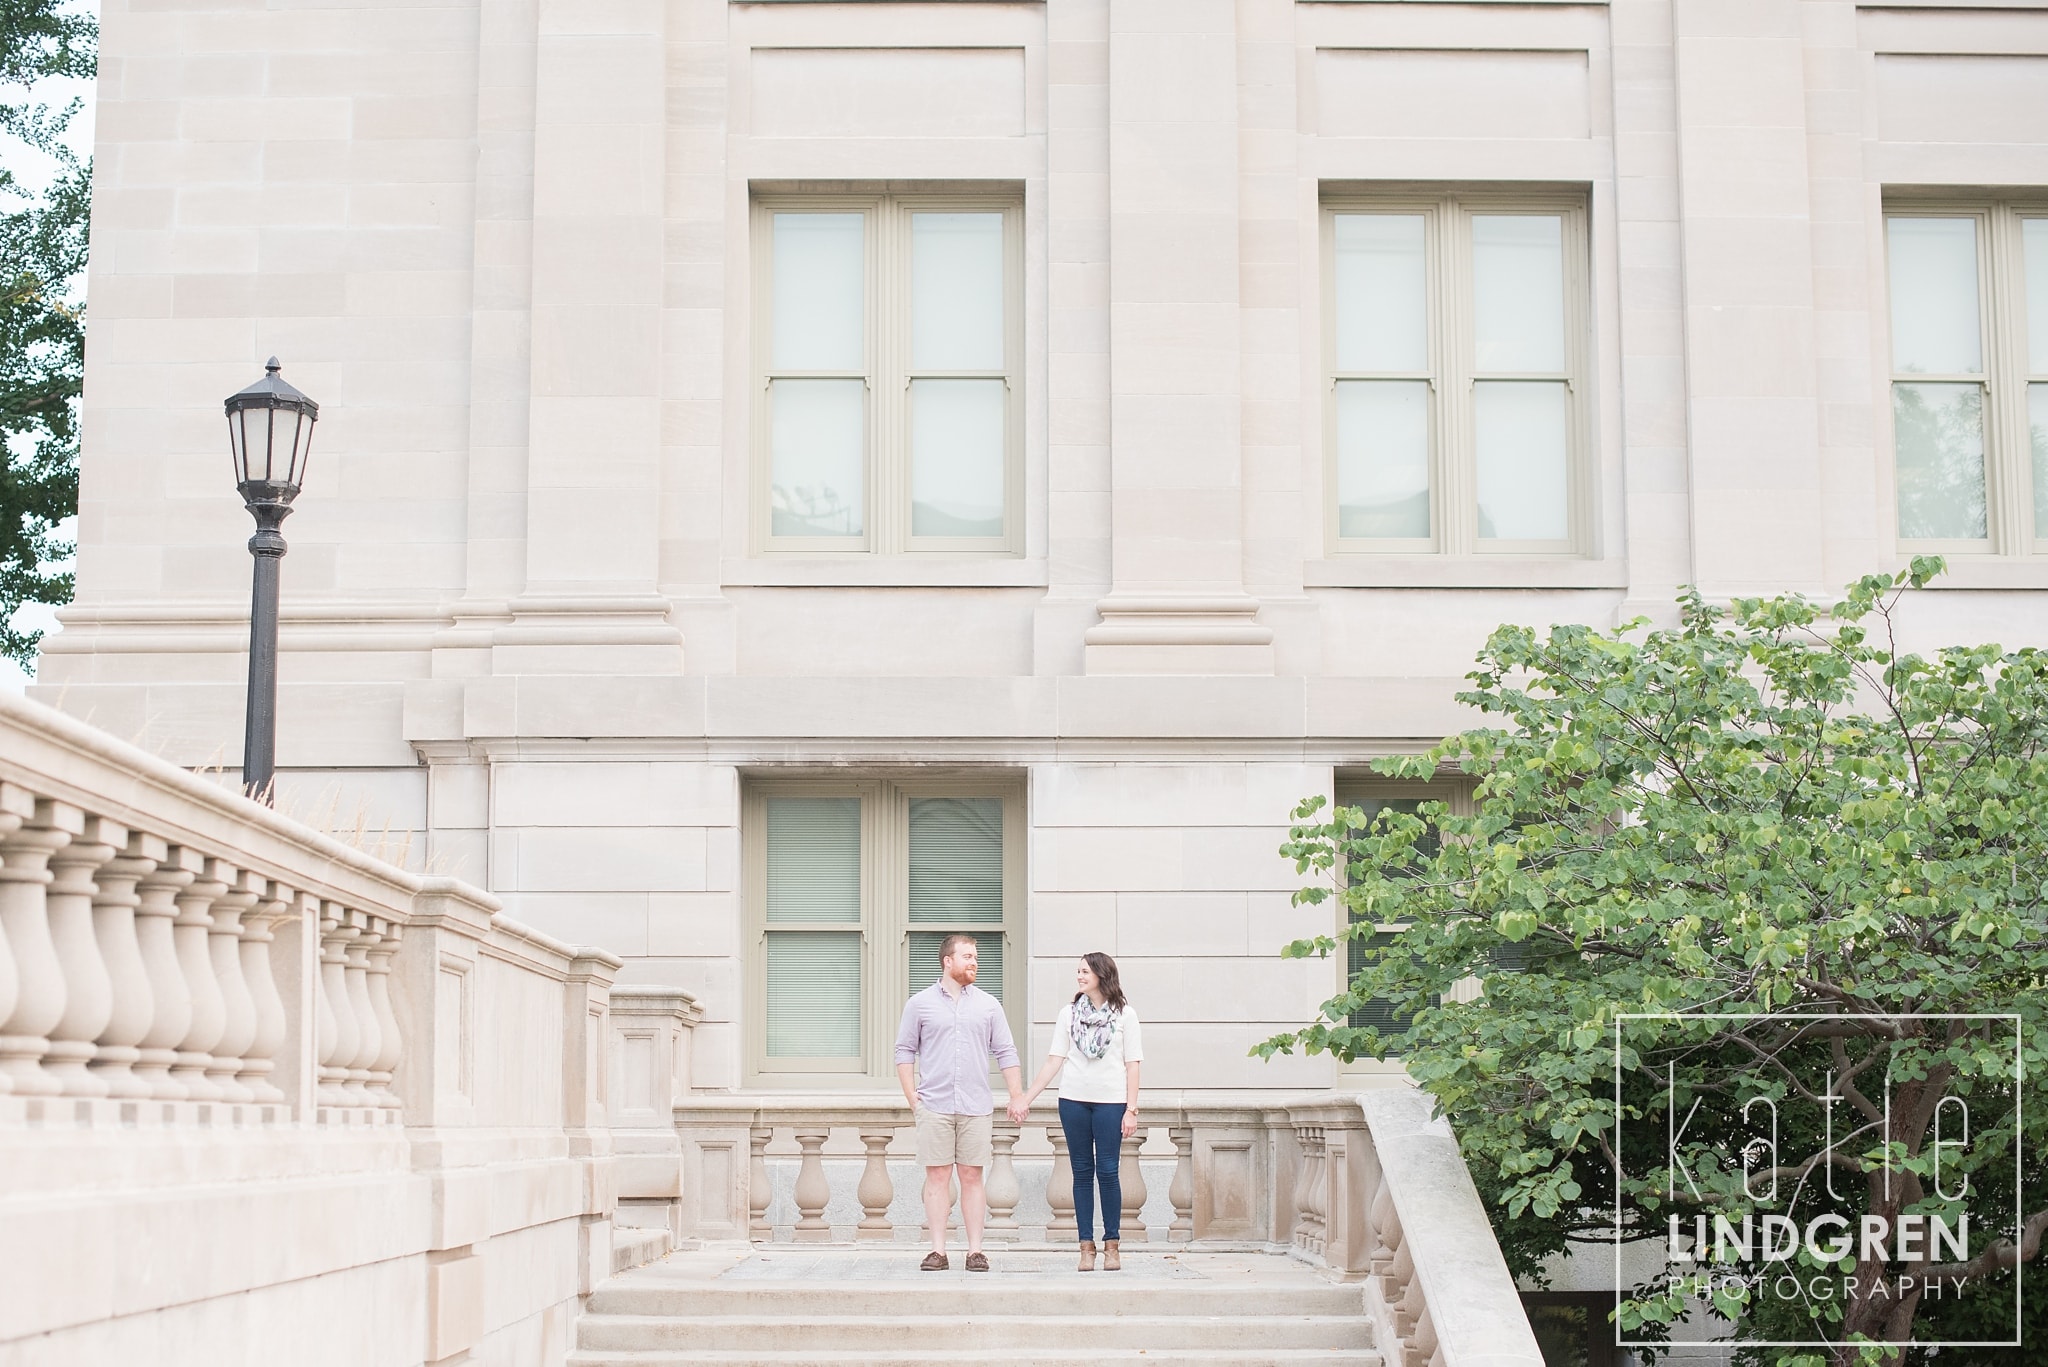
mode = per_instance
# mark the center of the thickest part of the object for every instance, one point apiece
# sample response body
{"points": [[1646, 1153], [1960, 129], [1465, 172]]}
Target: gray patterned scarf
{"points": [[1093, 1025]]}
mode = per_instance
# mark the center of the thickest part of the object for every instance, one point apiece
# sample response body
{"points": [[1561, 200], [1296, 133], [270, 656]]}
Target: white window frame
{"points": [[885, 926], [2003, 344], [1453, 484], [888, 374]]}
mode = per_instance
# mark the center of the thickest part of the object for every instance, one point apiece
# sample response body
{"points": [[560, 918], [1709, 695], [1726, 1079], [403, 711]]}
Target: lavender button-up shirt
{"points": [[950, 1039]]}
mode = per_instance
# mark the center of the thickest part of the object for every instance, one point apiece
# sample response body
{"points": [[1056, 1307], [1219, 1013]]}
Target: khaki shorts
{"points": [[943, 1140]]}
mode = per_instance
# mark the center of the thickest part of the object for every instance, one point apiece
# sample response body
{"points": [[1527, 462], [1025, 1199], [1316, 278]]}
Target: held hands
{"points": [[1019, 1107]]}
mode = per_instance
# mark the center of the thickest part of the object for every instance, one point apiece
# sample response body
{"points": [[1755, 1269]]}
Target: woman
{"points": [[1095, 1052]]}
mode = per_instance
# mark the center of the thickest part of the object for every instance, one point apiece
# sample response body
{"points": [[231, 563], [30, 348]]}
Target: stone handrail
{"points": [[1363, 1185]]}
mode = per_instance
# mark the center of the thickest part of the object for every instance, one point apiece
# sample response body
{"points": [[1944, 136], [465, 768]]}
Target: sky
{"points": [[35, 171]]}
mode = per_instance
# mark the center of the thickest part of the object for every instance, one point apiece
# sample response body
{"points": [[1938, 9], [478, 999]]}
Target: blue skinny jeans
{"points": [[1095, 1139]]}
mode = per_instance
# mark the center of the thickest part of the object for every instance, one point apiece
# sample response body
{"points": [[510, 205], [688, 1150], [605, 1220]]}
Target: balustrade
{"points": [[154, 945], [1365, 1186]]}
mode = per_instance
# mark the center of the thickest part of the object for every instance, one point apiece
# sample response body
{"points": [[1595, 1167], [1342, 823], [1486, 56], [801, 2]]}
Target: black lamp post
{"points": [[270, 431]]}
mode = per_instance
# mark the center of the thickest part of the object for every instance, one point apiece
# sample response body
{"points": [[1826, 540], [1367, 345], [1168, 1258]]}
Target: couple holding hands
{"points": [[951, 1030]]}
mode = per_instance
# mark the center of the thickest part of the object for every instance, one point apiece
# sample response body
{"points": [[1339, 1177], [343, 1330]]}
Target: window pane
{"points": [[956, 291], [814, 859], [1361, 953], [2037, 426], [1518, 293], [988, 960], [813, 994], [820, 292], [956, 860], [1383, 458], [956, 457], [1934, 296], [817, 457], [1519, 433], [2034, 233], [1382, 301], [1940, 434]]}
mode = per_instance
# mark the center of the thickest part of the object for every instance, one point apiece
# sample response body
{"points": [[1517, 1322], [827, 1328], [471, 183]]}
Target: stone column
{"points": [[1177, 603], [593, 475]]}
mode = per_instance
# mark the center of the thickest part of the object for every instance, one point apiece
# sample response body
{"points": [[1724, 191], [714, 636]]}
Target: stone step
{"points": [[943, 1352], [937, 1294], [970, 1329]]}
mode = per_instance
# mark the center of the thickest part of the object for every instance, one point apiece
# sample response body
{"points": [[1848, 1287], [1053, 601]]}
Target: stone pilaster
{"points": [[1177, 603]]}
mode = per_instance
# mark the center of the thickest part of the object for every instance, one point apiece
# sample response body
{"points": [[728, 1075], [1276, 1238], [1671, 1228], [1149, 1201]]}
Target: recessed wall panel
{"points": [[888, 92], [1421, 93], [1962, 99]]}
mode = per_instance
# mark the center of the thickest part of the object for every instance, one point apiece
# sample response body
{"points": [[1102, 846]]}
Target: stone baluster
{"points": [[1181, 1191], [369, 1037], [876, 1190], [1131, 1174], [1379, 1215], [338, 1037], [812, 1190], [759, 1190], [238, 1004], [1319, 1192], [259, 932], [1422, 1344], [1059, 1189], [25, 920], [390, 1047], [116, 912], [171, 998], [88, 989], [195, 961], [10, 979], [1001, 1186], [1308, 1224]]}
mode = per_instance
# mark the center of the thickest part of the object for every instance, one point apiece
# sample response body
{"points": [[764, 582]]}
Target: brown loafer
{"points": [[934, 1262], [977, 1262]]}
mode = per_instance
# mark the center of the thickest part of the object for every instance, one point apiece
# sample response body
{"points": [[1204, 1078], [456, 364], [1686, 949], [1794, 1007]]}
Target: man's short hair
{"points": [[953, 942]]}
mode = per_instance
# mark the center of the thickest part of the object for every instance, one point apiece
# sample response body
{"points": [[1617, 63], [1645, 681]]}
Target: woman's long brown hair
{"points": [[1104, 969]]}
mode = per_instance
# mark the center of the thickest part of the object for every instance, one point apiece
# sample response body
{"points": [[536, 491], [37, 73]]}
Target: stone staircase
{"points": [[873, 1308]]}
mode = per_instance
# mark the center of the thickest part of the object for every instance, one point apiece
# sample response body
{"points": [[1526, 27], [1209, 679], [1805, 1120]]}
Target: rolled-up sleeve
{"points": [[1000, 1043], [906, 1033]]}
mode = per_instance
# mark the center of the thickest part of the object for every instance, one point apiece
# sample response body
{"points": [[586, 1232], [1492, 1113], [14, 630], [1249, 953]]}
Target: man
{"points": [[949, 1031]]}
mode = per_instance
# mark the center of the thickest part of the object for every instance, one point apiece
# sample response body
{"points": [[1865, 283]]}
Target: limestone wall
{"points": [[531, 628]]}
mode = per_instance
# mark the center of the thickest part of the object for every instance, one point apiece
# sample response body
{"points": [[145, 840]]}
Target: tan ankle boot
{"points": [[1087, 1255], [1112, 1261]]}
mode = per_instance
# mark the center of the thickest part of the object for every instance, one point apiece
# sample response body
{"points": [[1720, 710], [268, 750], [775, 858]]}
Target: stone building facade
{"points": [[796, 478]]}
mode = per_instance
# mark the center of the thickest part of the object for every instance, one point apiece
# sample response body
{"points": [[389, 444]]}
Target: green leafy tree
{"points": [[43, 240], [1783, 846]]}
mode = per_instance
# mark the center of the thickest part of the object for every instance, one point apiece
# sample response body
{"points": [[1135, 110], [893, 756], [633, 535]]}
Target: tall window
{"points": [[1969, 335], [851, 889], [1455, 337], [888, 330]]}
